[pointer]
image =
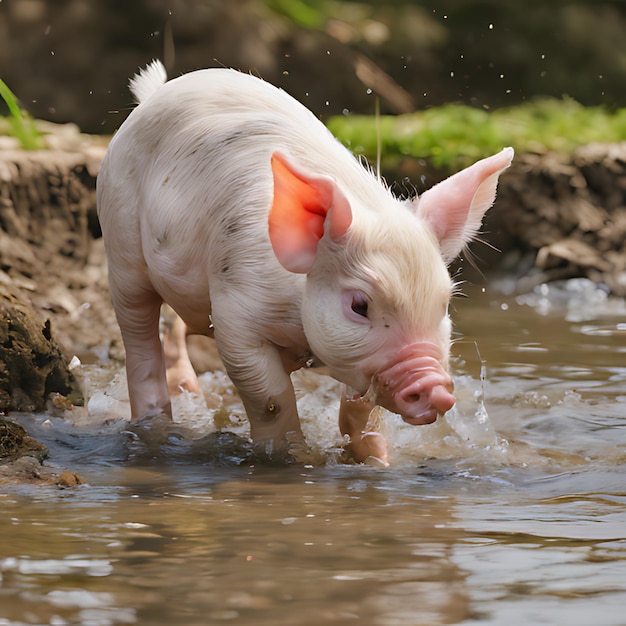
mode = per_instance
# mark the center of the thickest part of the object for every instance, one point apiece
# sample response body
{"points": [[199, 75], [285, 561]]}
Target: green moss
{"points": [[302, 12], [19, 123], [454, 135]]}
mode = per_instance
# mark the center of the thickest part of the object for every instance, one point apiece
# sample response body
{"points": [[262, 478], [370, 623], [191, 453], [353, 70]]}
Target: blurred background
{"points": [[70, 60]]}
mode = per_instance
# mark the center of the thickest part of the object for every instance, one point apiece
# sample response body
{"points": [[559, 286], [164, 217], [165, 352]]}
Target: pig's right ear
{"points": [[455, 207], [304, 208]]}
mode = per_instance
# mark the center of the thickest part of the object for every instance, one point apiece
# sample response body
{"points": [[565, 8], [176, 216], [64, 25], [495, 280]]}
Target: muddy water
{"points": [[512, 510]]}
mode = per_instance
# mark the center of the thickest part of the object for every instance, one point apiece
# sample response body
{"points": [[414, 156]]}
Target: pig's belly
{"points": [[188, 294], [195, 312], [197, 318]]}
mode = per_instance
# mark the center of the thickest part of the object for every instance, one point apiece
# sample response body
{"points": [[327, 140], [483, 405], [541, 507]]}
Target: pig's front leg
{"points": [[366, 445], [256, 368], [269, 399]]}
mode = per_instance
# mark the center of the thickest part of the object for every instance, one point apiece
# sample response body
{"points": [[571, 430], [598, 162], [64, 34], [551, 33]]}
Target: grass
{"points": [[20, 124], [455, 135]]}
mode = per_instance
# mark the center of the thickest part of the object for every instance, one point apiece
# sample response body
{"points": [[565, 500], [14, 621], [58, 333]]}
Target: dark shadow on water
{"points": [[161, 440], [149, 442]]}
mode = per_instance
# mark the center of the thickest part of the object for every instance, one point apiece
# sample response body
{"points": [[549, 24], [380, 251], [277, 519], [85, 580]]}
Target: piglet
{"points": [[227, 199]]}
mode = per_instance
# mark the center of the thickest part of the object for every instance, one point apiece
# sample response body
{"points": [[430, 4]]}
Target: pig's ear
{"points": [[455, 207], [297, 218]]}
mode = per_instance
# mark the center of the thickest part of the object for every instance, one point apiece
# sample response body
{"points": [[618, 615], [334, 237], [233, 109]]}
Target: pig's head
{"points": [[375, 307]]}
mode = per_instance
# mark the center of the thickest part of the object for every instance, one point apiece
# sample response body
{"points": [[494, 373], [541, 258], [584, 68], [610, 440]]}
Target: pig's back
{"points": [[189, 177], [221, 121]]}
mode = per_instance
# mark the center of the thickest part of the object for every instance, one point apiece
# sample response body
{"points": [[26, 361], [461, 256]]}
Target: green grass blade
{"points": [[22, 125]]}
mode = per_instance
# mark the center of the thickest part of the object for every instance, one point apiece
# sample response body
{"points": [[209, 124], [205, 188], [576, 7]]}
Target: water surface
{"points": [[511, 510]]}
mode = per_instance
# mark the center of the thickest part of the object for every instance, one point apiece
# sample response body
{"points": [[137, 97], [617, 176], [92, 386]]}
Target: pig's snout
{"points": [[416, 385], [423, 408]]}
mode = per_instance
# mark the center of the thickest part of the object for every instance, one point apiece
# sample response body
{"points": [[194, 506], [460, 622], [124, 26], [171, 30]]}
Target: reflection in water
{"points": [[510, 510]]}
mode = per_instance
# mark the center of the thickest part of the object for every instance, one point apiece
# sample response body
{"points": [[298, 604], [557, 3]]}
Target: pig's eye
{"points": [[359, 303], [355, 306]]}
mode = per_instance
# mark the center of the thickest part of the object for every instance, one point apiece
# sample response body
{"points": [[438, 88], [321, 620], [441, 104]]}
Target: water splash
{"points": [[206, 421]]}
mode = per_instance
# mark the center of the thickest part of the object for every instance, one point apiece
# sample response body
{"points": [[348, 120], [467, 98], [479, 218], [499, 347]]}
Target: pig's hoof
{"points": [[192, 386], [369, 445], [177, 385], [374, 461]]}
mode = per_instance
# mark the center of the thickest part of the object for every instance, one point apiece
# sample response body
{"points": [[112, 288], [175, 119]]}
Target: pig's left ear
{"points": [[455, 207], [298, 216]]}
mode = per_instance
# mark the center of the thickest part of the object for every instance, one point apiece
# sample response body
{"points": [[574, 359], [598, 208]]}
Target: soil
{"points": [[567, 215], [54, 297], [22, 456]]}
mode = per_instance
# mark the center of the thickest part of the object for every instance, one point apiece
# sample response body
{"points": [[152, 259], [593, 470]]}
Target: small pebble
{"points": [[69, 479]]}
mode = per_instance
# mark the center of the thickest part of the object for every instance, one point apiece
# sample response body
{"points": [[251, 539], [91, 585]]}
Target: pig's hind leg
{"points": [[357, 420], [180, 373], [138, 317]]}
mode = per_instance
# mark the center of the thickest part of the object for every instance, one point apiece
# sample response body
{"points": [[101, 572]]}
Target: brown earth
{"points": [[567, 214], [22, 456], [51, 273]]}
